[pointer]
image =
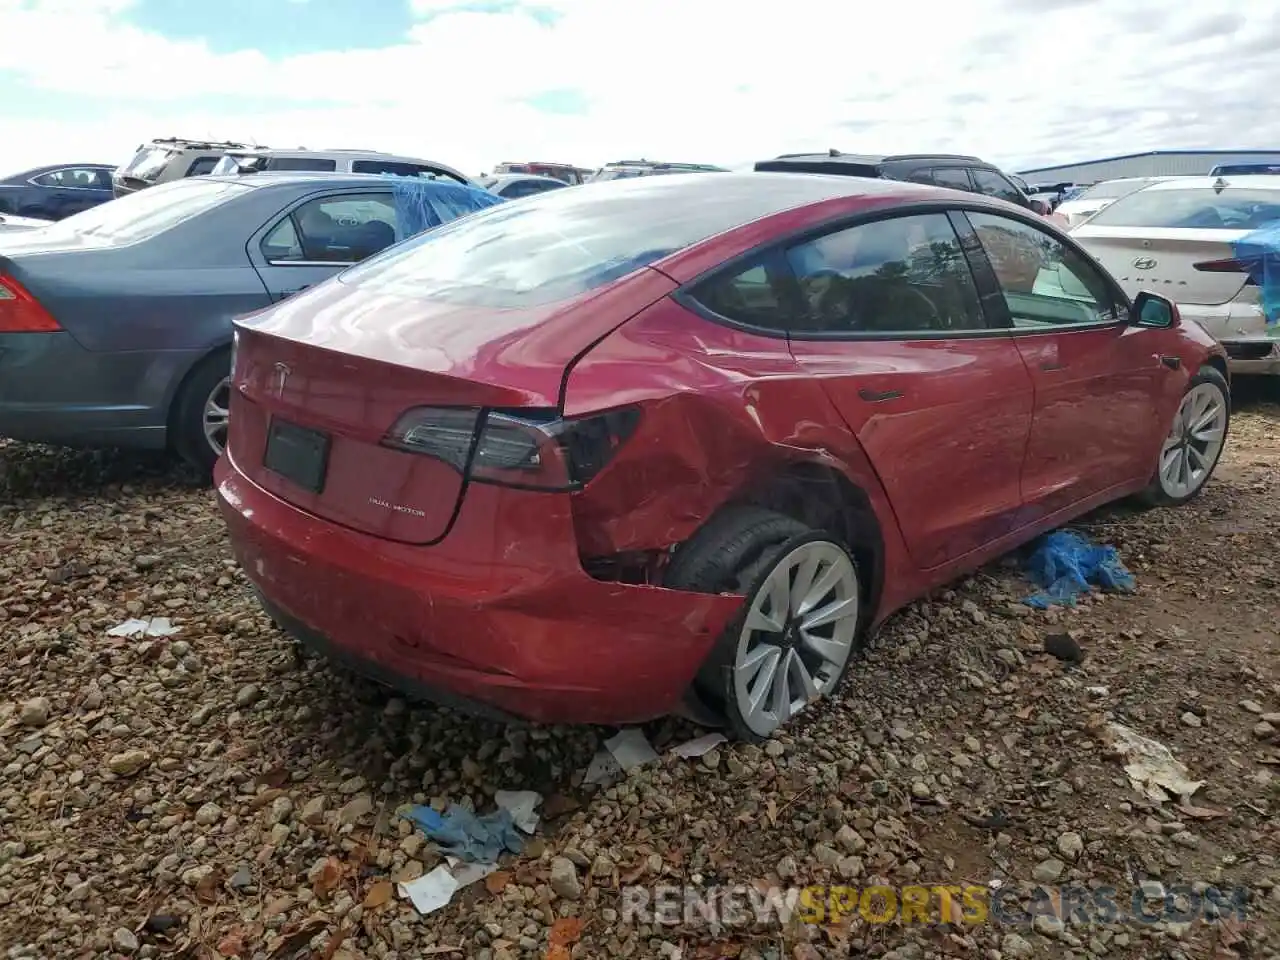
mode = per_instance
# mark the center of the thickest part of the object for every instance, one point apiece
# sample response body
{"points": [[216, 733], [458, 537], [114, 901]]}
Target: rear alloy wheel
{"points": [[798, 629], [200, 414], [1195, 440], [217, 413], [797, 637]]}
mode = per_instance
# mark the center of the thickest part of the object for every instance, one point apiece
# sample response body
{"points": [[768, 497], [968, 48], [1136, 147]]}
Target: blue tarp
{"points": [[1063, 564], [422, 204], [460, 833], [1261, 249]]}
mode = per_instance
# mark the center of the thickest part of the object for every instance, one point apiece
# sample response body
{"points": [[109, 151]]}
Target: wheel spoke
{"points": [[758, 620], [751, 664], [802, 583], [1205, 420], [836, 610], [758, 692], [780, 706], [1194, 454], [779, 595], [831, 651], [820, 588], [804, 679]]}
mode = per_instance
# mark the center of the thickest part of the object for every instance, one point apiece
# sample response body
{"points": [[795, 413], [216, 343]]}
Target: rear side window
{"points": [[149, 212], [955, 178], [994, 185], [904, 275], [201, 165], [301, 163], [83, 178], [1193, 208], [750, 296], [558, 244], [396, 168]]}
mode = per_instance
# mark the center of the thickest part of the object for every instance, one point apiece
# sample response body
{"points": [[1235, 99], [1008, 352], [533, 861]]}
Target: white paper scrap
{"points": [[630, 748], [696, 748], [521, 805], [154, 627], [431, 891]]}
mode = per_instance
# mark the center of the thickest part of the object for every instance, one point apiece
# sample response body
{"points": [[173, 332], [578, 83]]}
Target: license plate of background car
{"points": [[298, 454]]}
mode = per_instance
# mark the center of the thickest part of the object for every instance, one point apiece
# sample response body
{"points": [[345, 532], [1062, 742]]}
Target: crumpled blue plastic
{"points": [[1261, 250], [422, 204], [1063, 564], [460, 833]]}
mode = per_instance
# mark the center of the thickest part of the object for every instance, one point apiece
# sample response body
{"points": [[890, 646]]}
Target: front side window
{"points": [[1193, 208], [994, 185], [1044, 282], [82, 178], [335, 229], [903, 275]]}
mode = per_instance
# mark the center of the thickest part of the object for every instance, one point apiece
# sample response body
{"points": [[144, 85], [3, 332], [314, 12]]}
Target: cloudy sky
{"points": [[475, 82]]}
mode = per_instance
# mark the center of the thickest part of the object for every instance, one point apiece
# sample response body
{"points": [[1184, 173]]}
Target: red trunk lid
{"points": [[347, 363]]}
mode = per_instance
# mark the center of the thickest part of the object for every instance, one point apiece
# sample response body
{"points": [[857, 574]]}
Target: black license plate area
{"points": [[298, 454]]}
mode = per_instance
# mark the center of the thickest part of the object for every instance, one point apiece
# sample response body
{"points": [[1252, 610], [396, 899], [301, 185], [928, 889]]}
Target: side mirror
{"points": [[1040, 206], [1152, 310]]}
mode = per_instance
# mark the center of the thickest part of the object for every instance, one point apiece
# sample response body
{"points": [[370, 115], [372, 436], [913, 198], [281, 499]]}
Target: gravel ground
{"points": [[209, 794]]}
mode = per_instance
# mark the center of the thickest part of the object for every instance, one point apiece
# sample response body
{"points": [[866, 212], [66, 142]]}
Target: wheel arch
{"points": [[820, 496], [180, 384]]}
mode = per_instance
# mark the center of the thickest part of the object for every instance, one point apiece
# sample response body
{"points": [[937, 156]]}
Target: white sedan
{"points": [[1212, 244]]}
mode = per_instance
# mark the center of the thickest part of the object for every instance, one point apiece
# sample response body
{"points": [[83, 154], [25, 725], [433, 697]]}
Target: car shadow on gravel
{"points": [[29, 470]]}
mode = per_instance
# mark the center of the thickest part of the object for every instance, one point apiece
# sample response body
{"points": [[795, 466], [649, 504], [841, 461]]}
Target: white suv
{"points": [[266, 160]]}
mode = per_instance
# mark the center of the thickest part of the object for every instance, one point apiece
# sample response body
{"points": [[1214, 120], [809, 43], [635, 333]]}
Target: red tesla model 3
{"points": [[679, 442]]}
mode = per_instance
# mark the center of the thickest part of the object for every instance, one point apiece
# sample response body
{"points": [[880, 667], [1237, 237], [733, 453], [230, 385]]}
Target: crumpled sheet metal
{"points": [[1261, 249], [709, 433]]}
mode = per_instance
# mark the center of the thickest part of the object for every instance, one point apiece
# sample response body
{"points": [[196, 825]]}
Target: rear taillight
{"points": [[20, 312], [518, 449], [1228, 265]]}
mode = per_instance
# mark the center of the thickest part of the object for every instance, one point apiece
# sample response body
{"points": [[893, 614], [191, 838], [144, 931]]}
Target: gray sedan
{"points": [[115, 323]]}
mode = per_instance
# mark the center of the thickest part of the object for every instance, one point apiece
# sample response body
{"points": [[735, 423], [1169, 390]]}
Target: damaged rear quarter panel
{"points": [[722, 411]]}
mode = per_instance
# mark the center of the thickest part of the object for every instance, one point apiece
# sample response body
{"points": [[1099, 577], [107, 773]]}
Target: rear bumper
{"points": [[499, 613], [1252, 346], [52, 390]]}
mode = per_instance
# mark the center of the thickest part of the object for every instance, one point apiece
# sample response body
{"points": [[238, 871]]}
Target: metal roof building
{"points": [[1154, 163]]}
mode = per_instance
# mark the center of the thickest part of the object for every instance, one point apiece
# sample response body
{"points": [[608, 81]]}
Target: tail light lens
{"points": [[1228, 265], [20, 312], [532, 449]]}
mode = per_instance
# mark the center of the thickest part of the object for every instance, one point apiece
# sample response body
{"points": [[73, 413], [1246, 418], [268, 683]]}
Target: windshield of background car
{"points": [[1193, 208], [1111, 190], [557, 244], [149, 212], [148, 163]]}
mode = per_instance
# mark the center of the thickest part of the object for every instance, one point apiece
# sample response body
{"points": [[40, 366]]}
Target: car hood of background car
{"points": [[522, 352]]}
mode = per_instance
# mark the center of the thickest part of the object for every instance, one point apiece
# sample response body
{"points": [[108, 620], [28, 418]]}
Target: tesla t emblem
{"points": [[279, 374], [1144, 263]]}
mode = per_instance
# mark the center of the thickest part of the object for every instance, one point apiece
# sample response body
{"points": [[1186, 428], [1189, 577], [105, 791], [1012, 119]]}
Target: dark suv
{"points": [[938, 169]]}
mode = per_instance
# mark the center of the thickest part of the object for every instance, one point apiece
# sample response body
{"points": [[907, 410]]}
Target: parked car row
{"points": [[646, 444]]}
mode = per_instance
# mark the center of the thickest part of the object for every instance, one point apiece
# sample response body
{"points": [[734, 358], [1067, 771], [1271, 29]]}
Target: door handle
{"points": [[290, 293], [879, 396], [1049, 366], [1173, 363]]}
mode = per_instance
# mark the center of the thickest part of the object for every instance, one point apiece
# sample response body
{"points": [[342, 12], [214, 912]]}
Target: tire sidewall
{"points": [[716, 675], [188, 411]]}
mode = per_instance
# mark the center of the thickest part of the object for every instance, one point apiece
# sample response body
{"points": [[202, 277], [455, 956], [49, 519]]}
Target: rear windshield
{"points": [[1110, 190], [561, 243], [1194, 208], [148, 212], [148, 163]]}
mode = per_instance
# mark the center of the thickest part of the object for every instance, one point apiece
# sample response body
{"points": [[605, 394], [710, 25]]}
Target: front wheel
{"points": [[201, 412], [1195, 441], [798, 629]]}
